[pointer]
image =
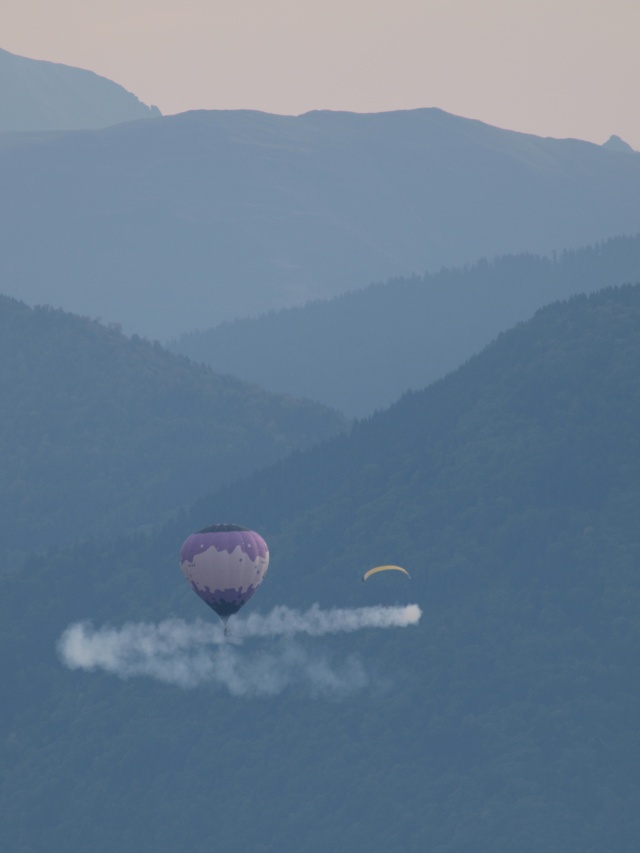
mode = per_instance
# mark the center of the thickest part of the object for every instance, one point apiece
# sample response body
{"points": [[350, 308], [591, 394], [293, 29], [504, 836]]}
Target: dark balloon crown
{"points": [[222, 528]]}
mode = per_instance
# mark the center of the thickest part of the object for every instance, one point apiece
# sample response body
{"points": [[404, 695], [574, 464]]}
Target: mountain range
{"points": [[360, 351], [47, 96], [424, 265], [186, 221], [506, 720]]}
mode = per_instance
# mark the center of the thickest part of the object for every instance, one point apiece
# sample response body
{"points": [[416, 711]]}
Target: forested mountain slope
{"points": [[189, 220], [360, 351], [506, 721], [37, 95], [100, 432]]}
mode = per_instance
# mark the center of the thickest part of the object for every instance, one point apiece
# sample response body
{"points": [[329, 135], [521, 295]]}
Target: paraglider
{"points": [[224, 564], [384, 569]]}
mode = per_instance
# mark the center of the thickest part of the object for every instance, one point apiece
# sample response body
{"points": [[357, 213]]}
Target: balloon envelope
{"points": [[224, 565]]}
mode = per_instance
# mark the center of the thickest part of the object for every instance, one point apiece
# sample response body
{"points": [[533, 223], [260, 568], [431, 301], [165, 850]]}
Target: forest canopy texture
{"points": [[506, 721], [105, 432]]}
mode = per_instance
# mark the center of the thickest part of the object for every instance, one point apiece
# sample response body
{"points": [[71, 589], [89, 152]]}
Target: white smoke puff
{"points": [[131, 652], [180, 653]]}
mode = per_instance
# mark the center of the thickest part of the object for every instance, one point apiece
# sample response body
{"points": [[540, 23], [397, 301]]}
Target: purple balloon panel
{"points": [[250, 542], [224, 567]]}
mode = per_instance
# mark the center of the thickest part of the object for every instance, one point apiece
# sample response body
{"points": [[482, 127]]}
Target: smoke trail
{"points": [[285, 622], [188, 654]]}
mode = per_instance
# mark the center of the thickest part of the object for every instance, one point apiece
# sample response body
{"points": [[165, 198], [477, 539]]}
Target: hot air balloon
{"points": [[384, 569], [224, 564]]}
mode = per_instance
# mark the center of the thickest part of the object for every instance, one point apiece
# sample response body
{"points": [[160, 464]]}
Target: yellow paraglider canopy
{"points": [[384, 569]]}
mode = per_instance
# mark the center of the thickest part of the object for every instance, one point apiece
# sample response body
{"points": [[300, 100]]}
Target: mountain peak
{"points": [[615, 143], [36, 95]]}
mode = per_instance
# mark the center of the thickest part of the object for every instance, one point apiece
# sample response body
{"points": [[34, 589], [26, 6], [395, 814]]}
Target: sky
{"points": [[563, 68]]}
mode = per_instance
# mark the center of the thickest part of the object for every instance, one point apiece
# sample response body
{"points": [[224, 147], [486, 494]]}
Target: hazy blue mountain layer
{"points": [[360, 351], [37, 95], [100, 432], [189, 220], [506, 721]]}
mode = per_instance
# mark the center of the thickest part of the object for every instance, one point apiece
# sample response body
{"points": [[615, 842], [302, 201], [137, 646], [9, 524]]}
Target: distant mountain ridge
{"points": [[190, 220], [360, 351], [36, 95]]}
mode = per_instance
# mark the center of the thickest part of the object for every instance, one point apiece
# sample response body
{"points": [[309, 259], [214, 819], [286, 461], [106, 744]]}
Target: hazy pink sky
{"points": [[550, 67]]}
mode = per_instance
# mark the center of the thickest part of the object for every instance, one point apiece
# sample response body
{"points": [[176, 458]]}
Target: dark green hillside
{"points": [[543, 422], [406, 333], [507, 721], [100, 432]]}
